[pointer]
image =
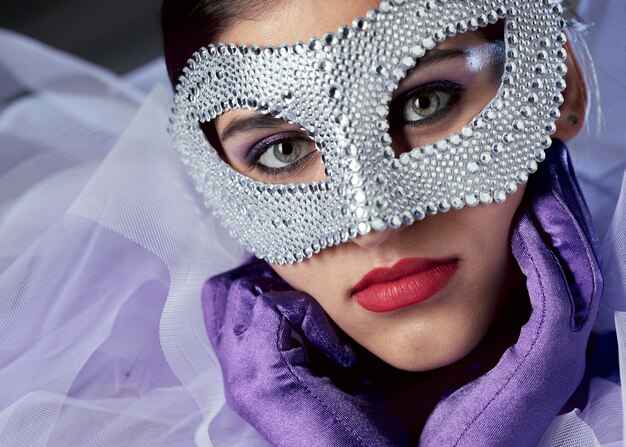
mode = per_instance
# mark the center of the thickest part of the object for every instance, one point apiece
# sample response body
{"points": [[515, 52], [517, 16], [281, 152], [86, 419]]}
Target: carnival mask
{"points": [[338, 89]]}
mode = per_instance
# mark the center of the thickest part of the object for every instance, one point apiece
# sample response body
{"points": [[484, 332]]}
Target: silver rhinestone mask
{"points": [[337, 89]]}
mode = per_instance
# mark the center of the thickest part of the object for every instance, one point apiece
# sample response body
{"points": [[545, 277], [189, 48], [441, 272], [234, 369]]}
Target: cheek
{"points": [[450, 329], [431, 334], [488, 231], [324, 277]]}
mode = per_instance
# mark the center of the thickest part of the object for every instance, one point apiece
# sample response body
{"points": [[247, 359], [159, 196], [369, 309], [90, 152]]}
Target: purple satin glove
{"points": [[555, 246], [297, 389]]}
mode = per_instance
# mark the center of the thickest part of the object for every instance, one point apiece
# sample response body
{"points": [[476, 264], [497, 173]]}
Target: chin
{"points": [[418, 365], [434, 359]]}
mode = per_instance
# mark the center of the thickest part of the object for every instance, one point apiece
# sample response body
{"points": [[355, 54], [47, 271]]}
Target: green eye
{"points": [[424, 105], [287, 152], [283, 154]]}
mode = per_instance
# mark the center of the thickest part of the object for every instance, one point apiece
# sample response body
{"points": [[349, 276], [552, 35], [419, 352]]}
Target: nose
{"points": [[373, 238]]}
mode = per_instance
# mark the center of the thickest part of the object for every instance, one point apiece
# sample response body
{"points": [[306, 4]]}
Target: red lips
{"points": [[408, 282]]}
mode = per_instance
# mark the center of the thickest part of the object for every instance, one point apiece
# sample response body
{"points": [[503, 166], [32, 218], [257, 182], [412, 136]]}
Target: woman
{"points": [[437, 296], [106, 247]]}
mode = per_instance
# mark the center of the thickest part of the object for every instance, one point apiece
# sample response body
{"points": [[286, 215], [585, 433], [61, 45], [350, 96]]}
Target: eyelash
{"points": [[257, 151], [395, 110]]}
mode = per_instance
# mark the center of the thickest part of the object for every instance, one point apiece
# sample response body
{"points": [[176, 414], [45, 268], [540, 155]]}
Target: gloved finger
{"points": [[560, 216], [216, 290], [305, 314], [214, 301], [546, 281], [275, 309], [575, 255], [541, 370], [247, 292], [324, 334], [564, 180], [245, 295]]}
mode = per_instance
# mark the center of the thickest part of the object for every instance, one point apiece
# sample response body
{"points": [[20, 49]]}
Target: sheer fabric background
{"points": [[104, 246]]}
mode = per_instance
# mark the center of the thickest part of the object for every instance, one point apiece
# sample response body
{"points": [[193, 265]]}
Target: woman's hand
{"points": [[555, 246], [297, 388]]}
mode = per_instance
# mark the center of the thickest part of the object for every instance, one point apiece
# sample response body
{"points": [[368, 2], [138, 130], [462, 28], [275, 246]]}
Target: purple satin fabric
{"points": [[308, 387], [292, 392], [555, 246]]}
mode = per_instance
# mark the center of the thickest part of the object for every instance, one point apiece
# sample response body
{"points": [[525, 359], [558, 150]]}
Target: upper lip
{"points": [[401, 269]]}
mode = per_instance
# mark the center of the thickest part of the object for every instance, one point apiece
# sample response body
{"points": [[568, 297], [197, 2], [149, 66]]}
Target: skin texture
{"points": [[447, 327]]}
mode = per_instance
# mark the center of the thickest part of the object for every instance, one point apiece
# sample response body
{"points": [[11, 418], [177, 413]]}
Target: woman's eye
{"points": [[424, 105], [285, 153]]}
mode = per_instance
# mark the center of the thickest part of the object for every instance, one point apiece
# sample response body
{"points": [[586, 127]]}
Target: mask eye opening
{"points": [[257, 152], [430, 103]]}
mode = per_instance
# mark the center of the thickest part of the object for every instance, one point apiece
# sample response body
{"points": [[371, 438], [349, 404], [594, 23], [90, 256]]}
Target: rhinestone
{"points": [[486, 158], [510, 187], [522, 177], [408, 62], [359, 196], [344, 109], [467, 132], [288, 97], [499, 196], [418, 51], [471, 200], [498, 148], [473, 167], [457, 203], [486, 198], [540, 155], [334, 92], [444, 206], [419, 214], [378, 224], [395, 222]]}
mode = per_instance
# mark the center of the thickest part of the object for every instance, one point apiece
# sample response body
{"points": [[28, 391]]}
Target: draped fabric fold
{"points": [[104, 251]]}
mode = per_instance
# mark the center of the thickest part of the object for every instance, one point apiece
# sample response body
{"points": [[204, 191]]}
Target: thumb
{"points": [[559, 213], [246, 293], [304, 313]]}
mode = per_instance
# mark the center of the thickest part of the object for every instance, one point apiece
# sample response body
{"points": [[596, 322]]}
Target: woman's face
{"points": [[436, 99]]}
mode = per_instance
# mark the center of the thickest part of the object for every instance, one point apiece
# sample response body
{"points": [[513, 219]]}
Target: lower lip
{"points": [[406, 291]]}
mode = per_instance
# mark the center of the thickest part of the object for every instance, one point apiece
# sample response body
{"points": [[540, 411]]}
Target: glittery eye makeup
{"points": [[280, 153]]}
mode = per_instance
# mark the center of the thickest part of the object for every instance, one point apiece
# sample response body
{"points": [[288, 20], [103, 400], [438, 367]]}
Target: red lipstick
{"points": [[409, 281]]}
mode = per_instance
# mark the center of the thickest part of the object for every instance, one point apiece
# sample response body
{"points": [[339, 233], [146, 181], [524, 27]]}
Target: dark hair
{"points": [[191, 24]]}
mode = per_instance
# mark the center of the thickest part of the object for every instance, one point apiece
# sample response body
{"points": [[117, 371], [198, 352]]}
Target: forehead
{"points": [[292, 20]]}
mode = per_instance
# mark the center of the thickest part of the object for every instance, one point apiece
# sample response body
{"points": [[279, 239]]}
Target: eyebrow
{"points": [[264, 121], [251, 122]]}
